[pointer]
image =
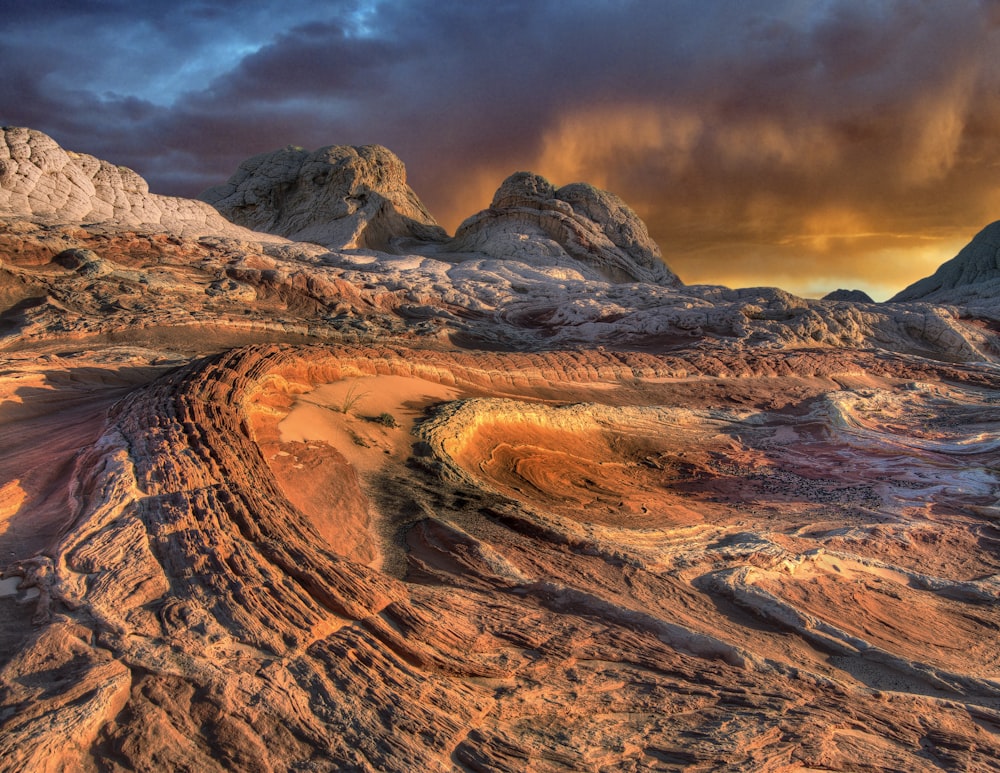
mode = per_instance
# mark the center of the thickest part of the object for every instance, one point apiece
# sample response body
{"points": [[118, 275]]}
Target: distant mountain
{"points": [[972, 275]]}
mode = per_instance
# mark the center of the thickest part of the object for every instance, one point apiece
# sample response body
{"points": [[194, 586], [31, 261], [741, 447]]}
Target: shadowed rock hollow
{"points": [[270, 505]]}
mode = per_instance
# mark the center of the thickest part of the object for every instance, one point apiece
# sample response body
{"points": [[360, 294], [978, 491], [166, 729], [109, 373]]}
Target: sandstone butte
{"points": [[355, 494]]}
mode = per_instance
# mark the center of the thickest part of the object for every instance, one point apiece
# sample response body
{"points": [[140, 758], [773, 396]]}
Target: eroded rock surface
{"points": [[971, 277], [578, 224], [40, 180], [338, 196], [265, 505], [591, 586]]}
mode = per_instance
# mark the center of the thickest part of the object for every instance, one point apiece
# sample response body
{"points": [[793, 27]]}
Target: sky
{"points": [[807, 145]]}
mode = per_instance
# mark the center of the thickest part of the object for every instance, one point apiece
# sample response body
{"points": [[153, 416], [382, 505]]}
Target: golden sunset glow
{"points": [[810, 201], [808, 145]]}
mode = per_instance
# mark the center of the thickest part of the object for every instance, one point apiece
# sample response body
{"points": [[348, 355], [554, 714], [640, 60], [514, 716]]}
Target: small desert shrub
{"points": [[387, 420]]}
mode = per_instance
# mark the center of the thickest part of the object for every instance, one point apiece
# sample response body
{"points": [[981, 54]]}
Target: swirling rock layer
{"points": [[739, 607], [267, 505]]}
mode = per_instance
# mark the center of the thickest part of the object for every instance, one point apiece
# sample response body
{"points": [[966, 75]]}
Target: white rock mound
{"points": [[531, 221], [850, 296], [971, 276], [41, 181], [340, 196]]}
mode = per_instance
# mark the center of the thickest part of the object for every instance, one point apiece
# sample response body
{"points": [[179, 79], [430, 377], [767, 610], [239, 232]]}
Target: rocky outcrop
{"points": [[346, 197], [851, 296], [971, 277], [41, 181], [530, 220], [267, 506], [589, 586], [340, 196]]}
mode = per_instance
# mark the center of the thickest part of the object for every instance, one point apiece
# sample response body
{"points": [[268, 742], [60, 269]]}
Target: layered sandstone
{"points": [[268, 505], [207, 621]]}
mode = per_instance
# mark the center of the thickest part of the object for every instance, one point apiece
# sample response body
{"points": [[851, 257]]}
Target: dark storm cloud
{"points": [[790, 142], [312, 61]]}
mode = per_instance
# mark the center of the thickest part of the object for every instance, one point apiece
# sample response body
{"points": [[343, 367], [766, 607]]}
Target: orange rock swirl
{"points": [[208, 625]]}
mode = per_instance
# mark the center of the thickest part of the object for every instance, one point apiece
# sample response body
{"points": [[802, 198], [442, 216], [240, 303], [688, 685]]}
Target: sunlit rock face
{"points": [[577, 224], [338, 196], [266, 505]]}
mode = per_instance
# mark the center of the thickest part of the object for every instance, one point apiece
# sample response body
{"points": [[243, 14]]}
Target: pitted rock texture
{"points": [[529, 219], [338, 196], [40, 180]]}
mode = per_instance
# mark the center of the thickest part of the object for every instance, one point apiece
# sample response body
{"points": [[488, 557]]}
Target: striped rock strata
{"points": [[738, 609]]}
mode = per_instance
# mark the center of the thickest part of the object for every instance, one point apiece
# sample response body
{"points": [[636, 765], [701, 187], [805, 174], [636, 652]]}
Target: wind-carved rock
{"points": [[39, 180], [530, 220], [340, 196], [971, 276]]}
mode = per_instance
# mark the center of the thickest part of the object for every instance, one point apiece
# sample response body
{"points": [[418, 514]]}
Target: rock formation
{"points": [[268, 505], [338, 196], [41, 181], [346, 197], [529, 220], [854, 296], [971, 277]]}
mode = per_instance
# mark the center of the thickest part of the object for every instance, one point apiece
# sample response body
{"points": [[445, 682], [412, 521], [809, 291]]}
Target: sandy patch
{"points": [[334, 439], [46, 418], [366, 419], [9, 587], [12, 497]]}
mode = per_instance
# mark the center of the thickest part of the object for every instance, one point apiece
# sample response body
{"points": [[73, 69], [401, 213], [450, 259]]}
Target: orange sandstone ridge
{"points": [[516, 499]]}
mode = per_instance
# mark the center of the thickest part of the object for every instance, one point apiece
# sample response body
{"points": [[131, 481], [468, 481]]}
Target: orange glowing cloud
{"points": [[603, 141], [810, 201], [807, 145]]}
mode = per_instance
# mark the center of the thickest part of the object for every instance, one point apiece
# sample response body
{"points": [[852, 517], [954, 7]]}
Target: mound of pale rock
{"points": [[530, 220], [851, 296], [972, 275], [42, 182], [338, 196]]}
